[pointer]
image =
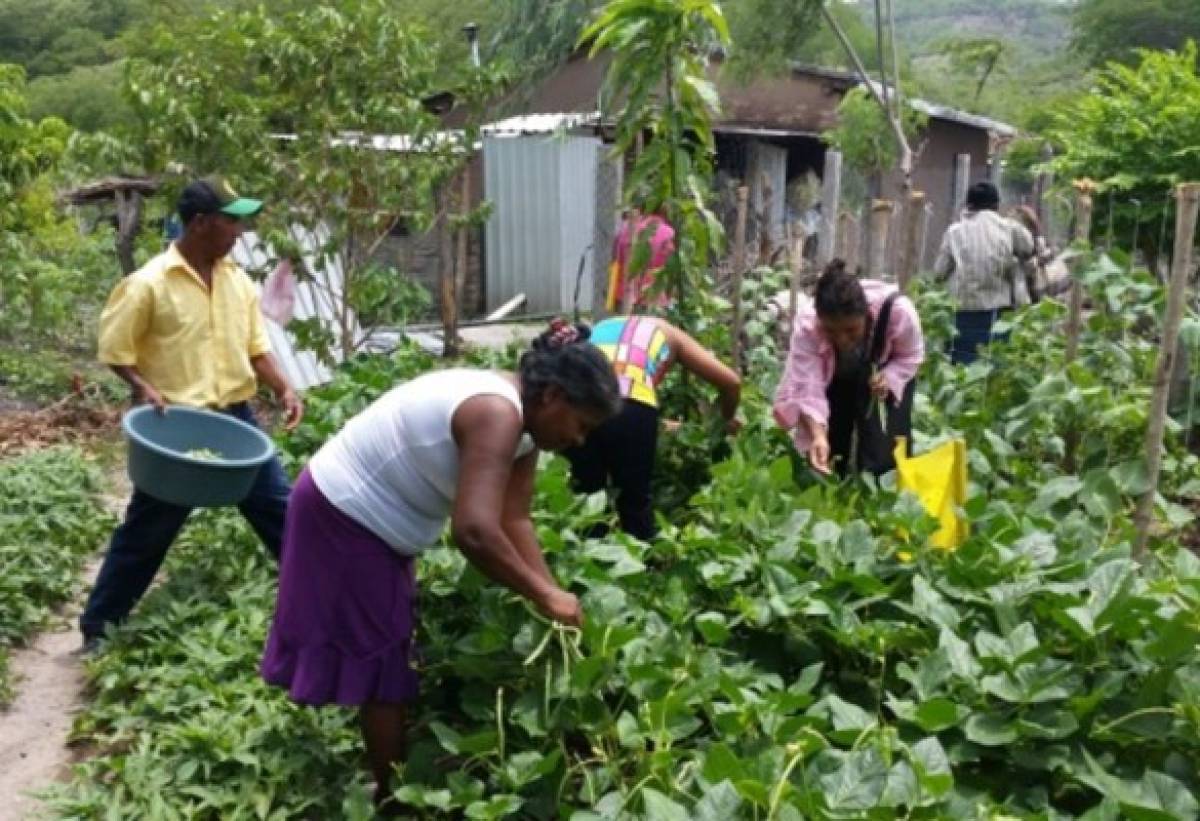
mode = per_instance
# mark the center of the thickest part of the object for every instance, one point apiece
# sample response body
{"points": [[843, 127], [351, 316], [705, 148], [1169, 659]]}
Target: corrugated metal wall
{"points": [[301, 367], [542, 191]]}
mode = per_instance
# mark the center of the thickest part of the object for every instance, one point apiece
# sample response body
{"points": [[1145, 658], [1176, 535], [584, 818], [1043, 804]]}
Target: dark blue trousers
{"points": [[140, 542], [974, 329]]}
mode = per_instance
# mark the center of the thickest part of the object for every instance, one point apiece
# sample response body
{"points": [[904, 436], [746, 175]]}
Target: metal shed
{"points": [[540, 178]]}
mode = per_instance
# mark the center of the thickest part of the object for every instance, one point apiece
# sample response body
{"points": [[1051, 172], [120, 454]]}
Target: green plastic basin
{"points": [[227, 454]]}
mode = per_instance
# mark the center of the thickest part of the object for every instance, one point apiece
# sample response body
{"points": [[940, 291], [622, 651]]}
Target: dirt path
{"points": [[33, 731], [49, 682]]}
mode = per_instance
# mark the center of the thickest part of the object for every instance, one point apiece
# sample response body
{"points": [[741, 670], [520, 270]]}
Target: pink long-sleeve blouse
{"points": [[812, 360]]}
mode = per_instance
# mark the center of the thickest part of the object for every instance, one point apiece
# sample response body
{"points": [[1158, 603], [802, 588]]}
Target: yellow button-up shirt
{"points": [[192, 344]]}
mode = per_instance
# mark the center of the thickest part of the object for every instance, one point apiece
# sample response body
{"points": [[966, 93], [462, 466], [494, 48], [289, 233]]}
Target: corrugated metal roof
{"points": [[936, 110], [541, 124]]}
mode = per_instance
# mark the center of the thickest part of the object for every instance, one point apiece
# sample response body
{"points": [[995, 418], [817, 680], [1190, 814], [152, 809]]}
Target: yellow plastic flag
{"points": [[939, 480]]}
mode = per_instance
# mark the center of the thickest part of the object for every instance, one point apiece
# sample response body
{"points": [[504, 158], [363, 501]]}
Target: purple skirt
{"points": [[344, 616]]}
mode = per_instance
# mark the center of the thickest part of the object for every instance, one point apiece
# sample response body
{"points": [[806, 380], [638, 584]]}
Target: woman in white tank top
{"points": [[457, 444]]}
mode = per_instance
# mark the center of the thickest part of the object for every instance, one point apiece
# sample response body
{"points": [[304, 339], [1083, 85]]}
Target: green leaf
{"points": [[932, 766], [858, 781], [958, 653], [498, 806], [1055, 491], [938, 714], [990, 730], [722, 764], [713, 627], [930, 605], [902, 788], [720, 802], [661, 808]]}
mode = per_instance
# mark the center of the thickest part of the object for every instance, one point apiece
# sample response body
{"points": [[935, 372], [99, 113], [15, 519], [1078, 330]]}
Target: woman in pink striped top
{"points": [[847, 388]]}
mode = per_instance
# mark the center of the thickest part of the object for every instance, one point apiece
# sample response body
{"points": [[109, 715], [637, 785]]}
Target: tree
{"points": [[978, 56], [34, 288], [1136, 136], [657, 86], [865, 136], [288, 105], [1116, 29]]}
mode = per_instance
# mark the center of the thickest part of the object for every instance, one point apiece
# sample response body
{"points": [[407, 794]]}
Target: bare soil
{"points": [[49, 681]]}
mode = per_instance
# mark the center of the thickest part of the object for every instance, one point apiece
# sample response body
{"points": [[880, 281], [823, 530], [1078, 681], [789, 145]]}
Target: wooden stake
{"points": [[739, 267], [880, 228], [910, 261], [1083, 230], [831, 197], [1188, 199]]}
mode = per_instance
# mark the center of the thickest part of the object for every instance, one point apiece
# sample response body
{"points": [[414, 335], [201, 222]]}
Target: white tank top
{"points": [[394, 467]]}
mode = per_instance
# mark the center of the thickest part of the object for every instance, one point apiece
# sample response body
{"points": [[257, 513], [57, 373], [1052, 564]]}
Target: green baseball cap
{"points": [[213, 195]]}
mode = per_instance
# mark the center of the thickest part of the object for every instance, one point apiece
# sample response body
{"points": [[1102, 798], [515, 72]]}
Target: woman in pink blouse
{"points": [[633, 286], [847, 388]]}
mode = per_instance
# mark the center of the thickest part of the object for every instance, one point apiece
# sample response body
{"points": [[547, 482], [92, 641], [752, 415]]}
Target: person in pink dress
{"points": [[847, 388], [633, 287]]}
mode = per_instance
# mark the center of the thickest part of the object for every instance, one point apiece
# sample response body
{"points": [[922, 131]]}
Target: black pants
{"points": [[858, 439], [621, 451]]}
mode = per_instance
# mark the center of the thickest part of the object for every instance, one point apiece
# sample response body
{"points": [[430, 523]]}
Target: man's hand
{"points": [[818, 454], [879, 386], [733, 426], [145, 394], [563, 607], [293, 409]]}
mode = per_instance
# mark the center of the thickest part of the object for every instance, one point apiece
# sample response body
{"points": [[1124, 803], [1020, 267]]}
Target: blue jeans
{"points": [[139, 544], [974, 329]]}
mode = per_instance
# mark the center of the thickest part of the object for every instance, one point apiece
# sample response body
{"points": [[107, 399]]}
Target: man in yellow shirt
{"points": [[186, 329]]}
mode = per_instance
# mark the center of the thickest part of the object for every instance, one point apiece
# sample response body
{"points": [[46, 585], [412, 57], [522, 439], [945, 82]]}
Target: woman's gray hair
{"points": [[563, 358]]}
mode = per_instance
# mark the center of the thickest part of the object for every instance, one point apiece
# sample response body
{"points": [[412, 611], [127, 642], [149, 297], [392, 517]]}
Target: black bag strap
{"points": [[879, 332]]}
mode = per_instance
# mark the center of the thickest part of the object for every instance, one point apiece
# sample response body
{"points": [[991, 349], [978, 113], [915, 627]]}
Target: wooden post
{"points": [[880, 229], [739, 266], [798, 238], [848, 240], [924, 247], [962, 181], [910, 257], [1188, 199], [1083, 229], [766, 240], [129, 220], [460, 262], [831, 197], [446, 277]]}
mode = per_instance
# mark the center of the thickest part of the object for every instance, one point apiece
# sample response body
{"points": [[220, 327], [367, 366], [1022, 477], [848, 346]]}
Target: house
{"points": [[554, 189]]}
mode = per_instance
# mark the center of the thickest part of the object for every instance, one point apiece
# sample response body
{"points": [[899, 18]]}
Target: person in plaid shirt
{"points": [[981, 262]]}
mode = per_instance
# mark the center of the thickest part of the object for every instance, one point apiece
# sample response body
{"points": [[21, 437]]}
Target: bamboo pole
{"points": [[910, 261], [1188, 199], [1083, 229], [739, 266], [880, 228]]}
